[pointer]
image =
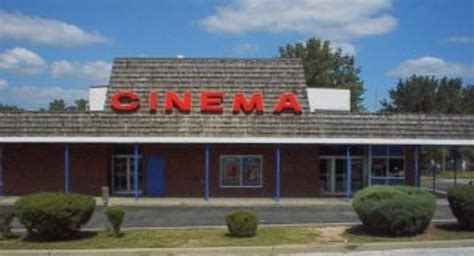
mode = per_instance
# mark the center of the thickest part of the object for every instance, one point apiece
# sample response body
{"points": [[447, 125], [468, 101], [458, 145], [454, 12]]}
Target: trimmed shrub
{"points": [[6, 218], [54, 215], [461, 202], [394, 210], [242, 223], [115, 216]]}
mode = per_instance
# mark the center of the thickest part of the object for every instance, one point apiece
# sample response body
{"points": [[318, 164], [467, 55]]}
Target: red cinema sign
{"points": [[211, 102]]}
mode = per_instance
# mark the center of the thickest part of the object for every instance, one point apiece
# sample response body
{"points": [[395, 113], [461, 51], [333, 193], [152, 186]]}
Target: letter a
{"points": [[287, 101]]}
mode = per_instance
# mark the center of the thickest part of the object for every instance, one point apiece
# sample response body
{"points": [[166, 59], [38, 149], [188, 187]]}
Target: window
{"points": [[241, 171], [388, 163], [123, 168]]}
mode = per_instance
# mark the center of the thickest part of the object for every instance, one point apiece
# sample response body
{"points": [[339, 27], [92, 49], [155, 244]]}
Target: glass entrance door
{"points": [[333, 175], [123, 174]]}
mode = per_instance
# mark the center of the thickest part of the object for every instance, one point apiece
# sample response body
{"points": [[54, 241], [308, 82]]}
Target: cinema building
{"points": [[217, 128]]}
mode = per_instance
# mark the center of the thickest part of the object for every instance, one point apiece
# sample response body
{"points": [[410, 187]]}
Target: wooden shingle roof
{"points": [[269, 76]]}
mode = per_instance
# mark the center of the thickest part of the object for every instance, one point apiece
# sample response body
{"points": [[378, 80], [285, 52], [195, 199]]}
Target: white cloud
{"points": [[432, 66], [45, 31], [3, 84], [332, 19], [246, 48], [34, 97], [461, 40], [346, 48], [22, 61], [97, 71]]}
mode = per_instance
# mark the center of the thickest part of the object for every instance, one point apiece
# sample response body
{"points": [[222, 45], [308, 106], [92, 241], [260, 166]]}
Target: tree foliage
{"points": [[58, 105], [326, 67], [428, 94], [9, 108]]}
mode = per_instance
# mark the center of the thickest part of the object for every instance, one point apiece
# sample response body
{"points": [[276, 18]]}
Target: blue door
{"points": [[155, 176]]}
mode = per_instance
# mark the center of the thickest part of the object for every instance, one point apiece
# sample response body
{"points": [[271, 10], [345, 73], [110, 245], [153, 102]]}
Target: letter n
{"points": [[172, 100]]}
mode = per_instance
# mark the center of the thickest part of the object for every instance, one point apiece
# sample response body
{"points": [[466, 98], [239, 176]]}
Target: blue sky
{"points": [[54, 48]]}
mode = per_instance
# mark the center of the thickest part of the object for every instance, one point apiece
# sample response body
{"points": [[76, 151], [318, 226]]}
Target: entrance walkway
{"points": [[218, 202], [195, 212]]}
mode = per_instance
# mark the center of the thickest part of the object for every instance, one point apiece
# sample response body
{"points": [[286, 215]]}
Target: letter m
{"points": [[248, 106]]}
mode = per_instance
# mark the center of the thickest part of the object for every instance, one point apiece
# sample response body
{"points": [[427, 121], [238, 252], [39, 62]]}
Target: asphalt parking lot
{"points": [[183, 216]]}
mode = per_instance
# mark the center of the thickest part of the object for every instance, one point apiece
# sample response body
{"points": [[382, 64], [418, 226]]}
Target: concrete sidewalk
{"points": [[442, 248], [218, 202]]}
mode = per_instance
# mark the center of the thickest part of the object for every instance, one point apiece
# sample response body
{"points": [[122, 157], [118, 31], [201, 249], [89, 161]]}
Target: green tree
{"points": [[57, 105], [325, 67], [467, 100], [80, 105], [9, 108], [427, 94]]}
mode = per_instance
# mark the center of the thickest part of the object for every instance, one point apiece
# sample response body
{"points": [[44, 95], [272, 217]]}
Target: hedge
{"points": [[242, 223], [54, 215], [461, 202], [115, 217], [394, 210]]}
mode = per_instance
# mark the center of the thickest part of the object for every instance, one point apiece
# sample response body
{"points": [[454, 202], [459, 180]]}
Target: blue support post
{"points": [[348, 173], [66, 168], [206, 172], [417, 166], [278, 173], [455, 166], [135, 172]]}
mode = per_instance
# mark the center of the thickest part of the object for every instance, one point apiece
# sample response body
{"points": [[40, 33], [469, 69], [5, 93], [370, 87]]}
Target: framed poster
{"points": [[252, 171], [241, 171], [230, 171]]}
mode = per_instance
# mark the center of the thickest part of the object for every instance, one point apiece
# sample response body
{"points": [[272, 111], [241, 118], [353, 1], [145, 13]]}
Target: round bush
{"points": [[54, 215], [461, 202], [6, 218], [242, 223], [394, 210], [115, 216]]}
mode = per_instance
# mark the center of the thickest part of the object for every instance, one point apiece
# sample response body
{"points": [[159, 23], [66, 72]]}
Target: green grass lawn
{"points": [[170, 238], [266, 236], [450, 175]]}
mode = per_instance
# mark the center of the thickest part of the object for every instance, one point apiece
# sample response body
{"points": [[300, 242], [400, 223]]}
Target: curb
{"points": [[375, 249]]}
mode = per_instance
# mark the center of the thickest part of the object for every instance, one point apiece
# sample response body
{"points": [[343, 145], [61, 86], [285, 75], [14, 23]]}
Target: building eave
{"points": [[240, 140]]}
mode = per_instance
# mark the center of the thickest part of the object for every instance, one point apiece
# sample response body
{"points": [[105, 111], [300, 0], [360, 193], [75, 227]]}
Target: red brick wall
{"points": [[89, 168], [33, 168], [410, 165], [30, 168], [184, 171], [184, 168], [300, 171]]}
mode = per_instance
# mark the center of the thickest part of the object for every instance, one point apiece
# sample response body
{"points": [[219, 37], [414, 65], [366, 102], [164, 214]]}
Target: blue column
{"points": [[206, 172], [348, 173], [277, 173], [455, 166], [417, 166], [66, 168], [135, 172]]}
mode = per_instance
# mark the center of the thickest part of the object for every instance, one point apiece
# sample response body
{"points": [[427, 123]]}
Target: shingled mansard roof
{"points": [[271, 77]]}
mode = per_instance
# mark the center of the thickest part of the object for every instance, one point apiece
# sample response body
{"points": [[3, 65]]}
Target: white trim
{"points": [[239, 140]]}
